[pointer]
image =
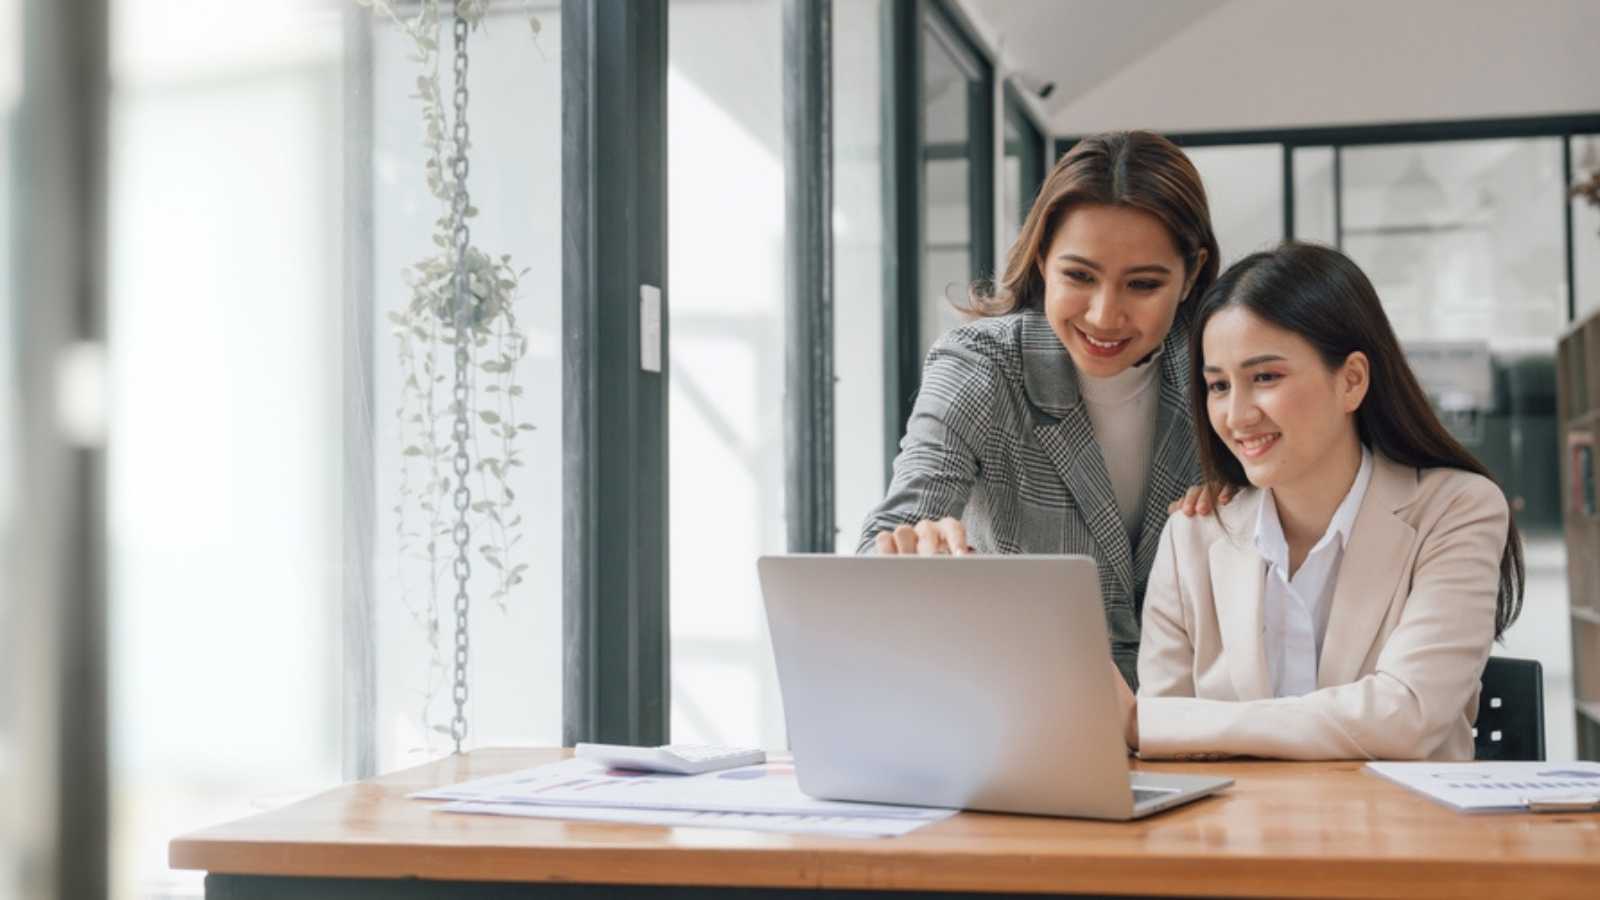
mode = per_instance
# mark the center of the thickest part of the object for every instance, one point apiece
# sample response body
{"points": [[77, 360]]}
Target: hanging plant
{"points": [[1589, 189], [458, 345]]}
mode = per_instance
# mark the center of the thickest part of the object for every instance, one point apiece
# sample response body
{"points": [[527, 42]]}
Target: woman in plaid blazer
{"points": [[1004, 452]]}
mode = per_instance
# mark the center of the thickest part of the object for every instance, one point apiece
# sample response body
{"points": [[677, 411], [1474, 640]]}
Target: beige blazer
{"points": [[1409, 630]]}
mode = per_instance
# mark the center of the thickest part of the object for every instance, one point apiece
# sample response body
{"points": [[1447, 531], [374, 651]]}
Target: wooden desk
{"points": [[1284, 830]]}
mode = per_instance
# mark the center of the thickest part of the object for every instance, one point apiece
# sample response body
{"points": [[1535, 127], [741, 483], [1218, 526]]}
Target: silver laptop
{"points": [[977, 682]]}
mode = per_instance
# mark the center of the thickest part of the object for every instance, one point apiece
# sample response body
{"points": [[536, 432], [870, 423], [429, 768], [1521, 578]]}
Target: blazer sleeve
{"points": [[1166, 652], [1425, 673], [939, 455]]}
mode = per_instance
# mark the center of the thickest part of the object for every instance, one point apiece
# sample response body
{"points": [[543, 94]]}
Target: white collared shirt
{"points": [[1295, 613]]}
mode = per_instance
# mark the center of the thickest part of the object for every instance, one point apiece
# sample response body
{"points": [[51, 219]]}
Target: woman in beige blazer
{"points": [[1343, 605]]}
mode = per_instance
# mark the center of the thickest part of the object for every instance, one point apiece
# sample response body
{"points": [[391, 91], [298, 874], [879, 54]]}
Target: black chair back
{"points": [[1510, 723]]}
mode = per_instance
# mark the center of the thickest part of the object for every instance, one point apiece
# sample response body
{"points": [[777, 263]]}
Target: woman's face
{"points": [[1283, 414], [1113, 279]]}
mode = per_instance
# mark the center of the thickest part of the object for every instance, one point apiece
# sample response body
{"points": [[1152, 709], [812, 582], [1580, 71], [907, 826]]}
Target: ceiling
{"points": [[1079, 43]]}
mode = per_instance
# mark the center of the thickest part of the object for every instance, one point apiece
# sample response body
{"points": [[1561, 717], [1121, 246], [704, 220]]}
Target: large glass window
{"points": [[726, 218], [1244, 187], [1463, 239], [255, 214], [222, 492], [858, 264], [1022, 171], [1586, 226], [953, 85], [1464, 242], [1316, 195], [514, 113]]}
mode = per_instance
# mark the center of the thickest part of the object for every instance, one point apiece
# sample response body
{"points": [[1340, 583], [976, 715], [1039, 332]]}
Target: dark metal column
{"points": [[1568, 177], [60, 260], [614, 251], [902, 217], [808, 315], [1288, 192]]}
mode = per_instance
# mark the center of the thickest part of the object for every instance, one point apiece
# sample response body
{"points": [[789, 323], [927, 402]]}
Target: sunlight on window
{"points": [[222, 474], [726, 258]]}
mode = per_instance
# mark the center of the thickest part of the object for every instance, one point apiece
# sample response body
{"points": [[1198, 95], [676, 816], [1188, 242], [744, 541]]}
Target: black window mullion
{"points": [[1338, 197], [1569, 177], [1288, 192], [980, 174], [60, 182], [614, 516], [1032, 156], [808, 317], [902, 216]]}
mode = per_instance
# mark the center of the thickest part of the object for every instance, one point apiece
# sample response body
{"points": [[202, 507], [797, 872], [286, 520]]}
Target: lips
{"points": [[1098, 347], [1256, 445]]}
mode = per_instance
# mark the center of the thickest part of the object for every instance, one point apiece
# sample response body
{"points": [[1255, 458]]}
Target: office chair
{"points": [[1510, 723]]}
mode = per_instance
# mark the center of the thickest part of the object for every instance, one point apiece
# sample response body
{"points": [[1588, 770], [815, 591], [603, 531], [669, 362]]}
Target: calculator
{"points": [[675, 759]]}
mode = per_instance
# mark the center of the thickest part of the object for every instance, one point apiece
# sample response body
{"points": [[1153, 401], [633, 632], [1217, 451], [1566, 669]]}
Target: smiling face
{"points": [[1273, 400], [1113, 279]]}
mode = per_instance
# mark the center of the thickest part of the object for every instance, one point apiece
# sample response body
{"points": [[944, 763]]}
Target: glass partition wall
{"points": [[1584, 158], [957, 172], [281, 593], [1023, 169], [726, 355], [859, 148]]}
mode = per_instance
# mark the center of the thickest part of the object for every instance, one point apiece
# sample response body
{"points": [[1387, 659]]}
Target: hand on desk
{"points": [[929, 537]]}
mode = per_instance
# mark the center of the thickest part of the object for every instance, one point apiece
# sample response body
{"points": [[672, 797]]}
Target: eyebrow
{"points": [[1147, 267], [1252, 361]]}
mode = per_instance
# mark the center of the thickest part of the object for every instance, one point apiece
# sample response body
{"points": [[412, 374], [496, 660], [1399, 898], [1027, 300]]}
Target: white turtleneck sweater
{"points": [[1122, 409]]}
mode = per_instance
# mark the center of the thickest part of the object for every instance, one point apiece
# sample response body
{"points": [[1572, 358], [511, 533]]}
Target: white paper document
{"points": [[765, 797], [831, 826], [1496, 786], [770, 787]]}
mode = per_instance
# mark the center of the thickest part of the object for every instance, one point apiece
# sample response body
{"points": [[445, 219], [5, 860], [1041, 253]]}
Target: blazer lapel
{"points": [[1373, 566], [1070, 444], [1062, 427], [1238, 590]]}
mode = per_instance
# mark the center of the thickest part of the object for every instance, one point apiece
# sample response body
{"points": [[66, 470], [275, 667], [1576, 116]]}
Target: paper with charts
{"points": [[830, 826], [764, 797], [1495, 786]]}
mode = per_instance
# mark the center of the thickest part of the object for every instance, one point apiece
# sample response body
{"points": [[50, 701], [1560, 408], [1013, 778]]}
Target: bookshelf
{"points": [[1578, 409]]}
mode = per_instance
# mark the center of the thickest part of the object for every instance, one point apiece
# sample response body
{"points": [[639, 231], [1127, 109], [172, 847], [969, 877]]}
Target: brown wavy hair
{"points": [[1138, 169], [1319, 294]]}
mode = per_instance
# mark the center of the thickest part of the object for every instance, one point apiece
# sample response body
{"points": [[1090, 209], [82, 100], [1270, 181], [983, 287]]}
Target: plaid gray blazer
{"points": [[1000, 439]]}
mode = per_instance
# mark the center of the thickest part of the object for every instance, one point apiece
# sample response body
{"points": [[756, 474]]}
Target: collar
{"points": [[1274, 547], [1124, 386]]}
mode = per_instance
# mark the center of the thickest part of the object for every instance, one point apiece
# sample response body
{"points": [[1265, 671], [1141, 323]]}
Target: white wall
{"points": [[1265, 63]]}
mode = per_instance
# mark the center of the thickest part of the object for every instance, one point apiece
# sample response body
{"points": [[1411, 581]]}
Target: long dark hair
{"points": [[1138, 169], [1317, 293]]}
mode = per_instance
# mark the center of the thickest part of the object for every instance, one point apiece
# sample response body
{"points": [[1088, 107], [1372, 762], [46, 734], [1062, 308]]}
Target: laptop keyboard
{"points": [[1145, 795]]}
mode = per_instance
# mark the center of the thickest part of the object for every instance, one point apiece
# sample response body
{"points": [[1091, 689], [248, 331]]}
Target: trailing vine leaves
{"points": [[1589, 189], [426, 333]]}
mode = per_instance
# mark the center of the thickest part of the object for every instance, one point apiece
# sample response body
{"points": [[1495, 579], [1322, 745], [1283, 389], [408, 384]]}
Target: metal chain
{"points": [[464, 317]]}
